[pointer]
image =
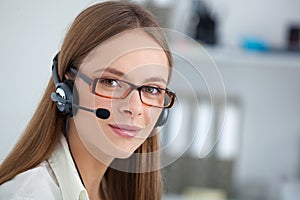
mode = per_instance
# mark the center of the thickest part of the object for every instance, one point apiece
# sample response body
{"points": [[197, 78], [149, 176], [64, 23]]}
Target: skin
{"points": [[132, 56]]}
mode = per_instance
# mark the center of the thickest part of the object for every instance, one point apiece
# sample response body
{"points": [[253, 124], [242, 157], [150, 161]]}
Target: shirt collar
{"points": [[66, 174]]}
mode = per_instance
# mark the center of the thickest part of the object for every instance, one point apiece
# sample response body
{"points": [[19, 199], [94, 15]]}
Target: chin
{"points": [[127, 152], [125, 155]]}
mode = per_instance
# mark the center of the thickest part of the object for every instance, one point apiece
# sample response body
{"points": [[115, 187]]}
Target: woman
{"points": [[110, 64]]}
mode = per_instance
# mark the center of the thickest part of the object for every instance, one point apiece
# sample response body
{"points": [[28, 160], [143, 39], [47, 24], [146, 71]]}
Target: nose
{"points": [[132, 105]]}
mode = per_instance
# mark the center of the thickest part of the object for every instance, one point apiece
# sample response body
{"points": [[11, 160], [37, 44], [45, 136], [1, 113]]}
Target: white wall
{"points": [[31, 33]]}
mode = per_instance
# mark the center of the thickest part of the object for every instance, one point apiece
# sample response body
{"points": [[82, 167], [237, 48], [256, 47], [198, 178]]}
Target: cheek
{"points": [[92, 101], [84, 94], [100, 102], [152, 115]]}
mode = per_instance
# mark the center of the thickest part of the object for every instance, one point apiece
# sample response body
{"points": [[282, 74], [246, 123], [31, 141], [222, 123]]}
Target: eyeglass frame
{"points": [[93, 82]]}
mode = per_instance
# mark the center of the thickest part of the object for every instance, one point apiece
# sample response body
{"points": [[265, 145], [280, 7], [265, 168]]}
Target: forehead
{"points": [[131, 51]]}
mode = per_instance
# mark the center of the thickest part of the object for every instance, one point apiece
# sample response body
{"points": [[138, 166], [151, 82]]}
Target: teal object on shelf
{"points": [[254, 44]]}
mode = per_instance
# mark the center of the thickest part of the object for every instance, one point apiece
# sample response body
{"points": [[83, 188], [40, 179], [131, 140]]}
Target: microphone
{"points": [[101, 113]]}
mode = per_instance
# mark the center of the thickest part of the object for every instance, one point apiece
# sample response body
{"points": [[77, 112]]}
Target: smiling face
{"points": [[130, 59]]}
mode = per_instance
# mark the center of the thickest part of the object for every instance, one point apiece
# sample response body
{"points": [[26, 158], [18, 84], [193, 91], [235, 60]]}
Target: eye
{"points": [[151, 90], [109, 82]]}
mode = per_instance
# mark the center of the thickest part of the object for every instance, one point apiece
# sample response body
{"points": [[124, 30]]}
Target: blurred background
{"points": [[256, 46]]}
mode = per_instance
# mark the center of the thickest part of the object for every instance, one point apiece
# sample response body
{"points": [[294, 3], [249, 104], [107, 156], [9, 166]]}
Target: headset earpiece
{"points": [[64, 91], [63, 95]]}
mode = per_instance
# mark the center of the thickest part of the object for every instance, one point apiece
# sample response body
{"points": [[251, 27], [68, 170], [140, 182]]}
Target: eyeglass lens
{"points": [[149, 95]]}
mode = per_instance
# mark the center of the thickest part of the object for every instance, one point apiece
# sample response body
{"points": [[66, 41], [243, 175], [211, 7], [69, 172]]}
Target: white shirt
{"points": [[54, 179]]}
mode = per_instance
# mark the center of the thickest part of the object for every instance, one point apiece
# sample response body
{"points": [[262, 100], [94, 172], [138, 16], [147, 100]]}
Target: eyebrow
{"points": [[155, 79], [122, 74], [110, 70]]}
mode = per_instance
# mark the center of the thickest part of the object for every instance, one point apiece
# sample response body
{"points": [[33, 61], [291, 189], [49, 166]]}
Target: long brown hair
{"points": [[90, 28]]}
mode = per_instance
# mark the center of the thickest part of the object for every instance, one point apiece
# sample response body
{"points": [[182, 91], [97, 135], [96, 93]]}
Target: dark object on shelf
{"points": [[203, 23], [294, 38]]}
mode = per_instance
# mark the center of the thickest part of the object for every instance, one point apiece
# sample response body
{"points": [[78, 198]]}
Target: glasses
{"points": [[119, 89]]}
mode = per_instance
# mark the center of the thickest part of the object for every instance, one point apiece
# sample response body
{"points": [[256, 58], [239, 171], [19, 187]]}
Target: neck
{"points": [[90, 169]]}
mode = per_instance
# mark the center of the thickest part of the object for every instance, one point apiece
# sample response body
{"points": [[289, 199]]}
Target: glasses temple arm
{"points": [[81, 75]]}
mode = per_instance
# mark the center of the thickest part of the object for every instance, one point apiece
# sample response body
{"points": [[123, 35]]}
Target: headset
{"points": [[66, 98], [63, 95]]}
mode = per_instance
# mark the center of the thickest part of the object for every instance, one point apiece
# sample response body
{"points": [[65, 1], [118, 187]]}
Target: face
{"points": [[132, 57]]}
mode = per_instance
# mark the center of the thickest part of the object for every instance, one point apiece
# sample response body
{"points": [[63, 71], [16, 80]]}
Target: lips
{"points": [[125, 131]]}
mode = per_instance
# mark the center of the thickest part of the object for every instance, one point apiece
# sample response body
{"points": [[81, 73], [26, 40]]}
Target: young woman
{"points": [[108, 96]]}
